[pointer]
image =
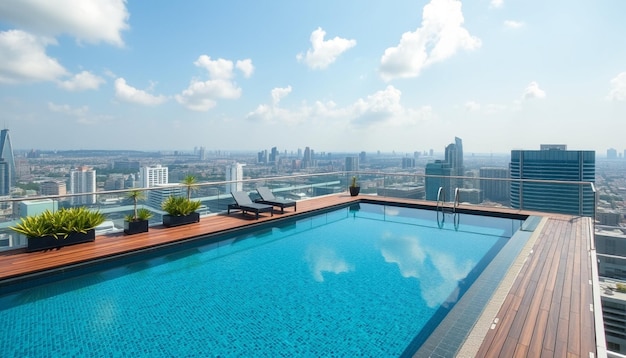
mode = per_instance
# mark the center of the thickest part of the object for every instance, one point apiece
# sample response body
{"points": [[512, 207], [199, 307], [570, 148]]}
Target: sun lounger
{"points": [[243, 203], [267, 197]]}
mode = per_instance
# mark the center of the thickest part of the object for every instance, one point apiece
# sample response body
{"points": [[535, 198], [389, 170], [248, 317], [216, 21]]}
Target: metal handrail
{"points": [[456, 199], [441, 197]]}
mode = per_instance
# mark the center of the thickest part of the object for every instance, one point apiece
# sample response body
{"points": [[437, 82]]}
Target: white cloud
{"points": [[618, 88], [82, 114], [441, 35], [496, 4], [378, 107], [203, 95], [381, 108], [246, 67], [533, 91], [91, 21], [323, 53], [513, 24], [24, 58], [280, 93], [68, 110], [218, 69], [472, 106], [275, 114], [130, 94], [82, 81]]}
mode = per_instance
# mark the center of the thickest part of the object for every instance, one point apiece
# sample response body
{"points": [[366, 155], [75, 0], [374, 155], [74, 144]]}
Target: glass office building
{"points": [[558, 165]]}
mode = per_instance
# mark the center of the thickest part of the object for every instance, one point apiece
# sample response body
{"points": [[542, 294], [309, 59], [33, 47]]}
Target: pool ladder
{"points": [[441, 199]]}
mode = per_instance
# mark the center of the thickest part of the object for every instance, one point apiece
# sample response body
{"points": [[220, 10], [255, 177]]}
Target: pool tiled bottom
{"points": [[313, 287]]}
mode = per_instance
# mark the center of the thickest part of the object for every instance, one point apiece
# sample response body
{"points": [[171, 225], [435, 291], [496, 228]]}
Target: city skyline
{"points": [[335, 77]]}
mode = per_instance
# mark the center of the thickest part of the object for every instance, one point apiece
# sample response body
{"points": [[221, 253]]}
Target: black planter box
{"points": [[177, 220], [135, 227], [354, 190], [50, 242]]}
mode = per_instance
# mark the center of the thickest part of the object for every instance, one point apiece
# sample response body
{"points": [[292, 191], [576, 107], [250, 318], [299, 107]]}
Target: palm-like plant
{"points": [[189, 182]]}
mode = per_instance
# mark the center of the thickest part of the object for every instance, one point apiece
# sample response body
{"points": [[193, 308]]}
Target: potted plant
{"points": [[181, 210], [138, 221], [354, 188], [68, 226]]}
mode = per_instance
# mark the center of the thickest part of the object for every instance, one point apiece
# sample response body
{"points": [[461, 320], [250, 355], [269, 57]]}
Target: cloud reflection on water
{"points": [[324, 259], [438, 272]]}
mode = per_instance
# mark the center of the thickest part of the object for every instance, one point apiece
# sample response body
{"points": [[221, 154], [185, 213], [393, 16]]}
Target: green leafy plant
{"points": [[353, 183], [180, 206], [620, 287], [140, 215], [60, 223]]}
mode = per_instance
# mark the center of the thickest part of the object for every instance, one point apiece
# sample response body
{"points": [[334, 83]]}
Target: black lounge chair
{"points": [[267, 197], [243, 203]]}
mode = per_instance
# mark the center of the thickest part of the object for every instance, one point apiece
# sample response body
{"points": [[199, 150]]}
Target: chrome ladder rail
{"points": [[457, 216], [441, 198]]}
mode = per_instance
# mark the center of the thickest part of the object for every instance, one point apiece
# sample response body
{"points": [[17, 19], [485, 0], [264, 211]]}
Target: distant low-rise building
{"points": [[53, 187]]}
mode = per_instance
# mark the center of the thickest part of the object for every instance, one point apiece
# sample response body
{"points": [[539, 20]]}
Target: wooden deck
{"points": [[547, 312]]}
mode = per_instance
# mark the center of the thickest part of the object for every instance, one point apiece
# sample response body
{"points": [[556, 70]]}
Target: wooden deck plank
{"points": [[554, 311], [547, 313]]}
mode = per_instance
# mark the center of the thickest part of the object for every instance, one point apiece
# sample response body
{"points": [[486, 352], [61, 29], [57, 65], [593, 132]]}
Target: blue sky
{"points": [[348, 75]]}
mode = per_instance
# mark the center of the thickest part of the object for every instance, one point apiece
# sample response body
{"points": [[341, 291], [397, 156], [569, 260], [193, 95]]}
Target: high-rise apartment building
{"points": [[408, 163], [352, 164], [153, 176], [611, 153], [6, 153], [557, 165], [234, 172], [83, 180]]}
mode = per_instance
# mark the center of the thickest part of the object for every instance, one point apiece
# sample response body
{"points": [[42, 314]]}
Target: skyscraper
{"points": [[274, 156], [438, 176], [352, 164], [453, 167], [83, 180], [307, 159], [553, 164], [611, 153], [5, 178], [234, 172], [153, 176], [6, 153]]}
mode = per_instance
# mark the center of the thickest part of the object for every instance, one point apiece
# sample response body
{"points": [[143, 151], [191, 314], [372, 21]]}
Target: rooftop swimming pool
{"points": [[365, 280]]}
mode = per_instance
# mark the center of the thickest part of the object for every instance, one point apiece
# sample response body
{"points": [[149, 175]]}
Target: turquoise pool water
{"points": [[344, 283]]}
